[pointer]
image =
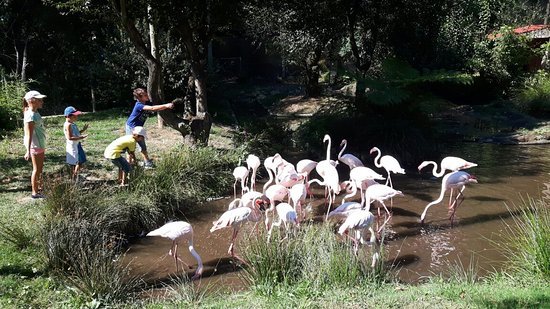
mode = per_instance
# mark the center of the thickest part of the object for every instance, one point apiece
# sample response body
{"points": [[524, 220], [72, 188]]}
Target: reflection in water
{"points": [[505, 173]]}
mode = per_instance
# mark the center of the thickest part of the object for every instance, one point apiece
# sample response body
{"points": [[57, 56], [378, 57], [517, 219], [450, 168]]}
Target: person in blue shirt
{"points": [[143, 109]]}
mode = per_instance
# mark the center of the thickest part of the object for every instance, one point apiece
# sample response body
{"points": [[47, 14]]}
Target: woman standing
{"points": [[35, 139]]}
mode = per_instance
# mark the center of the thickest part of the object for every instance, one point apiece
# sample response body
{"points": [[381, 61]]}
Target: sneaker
{"points": [[37, 196], [148, 164]]}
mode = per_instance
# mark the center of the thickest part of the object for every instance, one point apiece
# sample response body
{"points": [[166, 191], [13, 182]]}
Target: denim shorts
{"points": [[141, 144], [121, 163]]}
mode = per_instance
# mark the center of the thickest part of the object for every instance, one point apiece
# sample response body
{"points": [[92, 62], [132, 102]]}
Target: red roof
{"points": [[530, 28]]}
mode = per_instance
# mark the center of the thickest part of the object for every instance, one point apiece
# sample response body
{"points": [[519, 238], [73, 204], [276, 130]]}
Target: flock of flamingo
{"points": [[284, 194]]}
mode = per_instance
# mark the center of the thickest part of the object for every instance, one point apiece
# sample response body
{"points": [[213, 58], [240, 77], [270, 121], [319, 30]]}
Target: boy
{"points": [[117, 147], [73, 148]]}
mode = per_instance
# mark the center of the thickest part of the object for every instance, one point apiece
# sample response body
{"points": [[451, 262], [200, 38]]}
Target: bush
{"points": [[313, 258], [534, 96], [11, 94]]}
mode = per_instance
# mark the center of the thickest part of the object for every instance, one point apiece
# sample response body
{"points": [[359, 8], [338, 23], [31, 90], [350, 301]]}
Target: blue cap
{"points": [[71, 111]]}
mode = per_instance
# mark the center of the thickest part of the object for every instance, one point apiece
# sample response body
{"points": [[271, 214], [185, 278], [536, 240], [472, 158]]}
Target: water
{"points": [[505, 174]]}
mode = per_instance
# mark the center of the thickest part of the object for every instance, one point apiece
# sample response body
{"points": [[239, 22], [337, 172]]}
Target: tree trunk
{"points": [[24, 62], [93, 99], [547, 12], [153, 41], [312, 74]]}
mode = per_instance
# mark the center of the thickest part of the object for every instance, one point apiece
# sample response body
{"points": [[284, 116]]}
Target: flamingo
{"points": [[359, 220], [274, 193], [298, 194], [389, 163], [351, 192], [379, 192], [342, 211], [253, 162], [270, 164], [454, 180], [240, 173], [287, 215], [331, 182], [305, 167], [448, 163], [348, 159], [245, 200], [362, 174], [236, 218], [179, 231]]}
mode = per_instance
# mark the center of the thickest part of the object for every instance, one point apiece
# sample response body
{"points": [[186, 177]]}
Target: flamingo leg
{"points": [[455, 204], [175, 246], [330, 199]]}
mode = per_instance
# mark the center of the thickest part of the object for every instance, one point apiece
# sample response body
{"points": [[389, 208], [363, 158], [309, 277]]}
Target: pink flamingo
{"points": [[236, 218], [380, 193], [274, 193], [389, 163], [448, 163], [287, 215], [179, 231], [362, 174], [454, 180], [331, 182], [348, 159], [298, 194]]}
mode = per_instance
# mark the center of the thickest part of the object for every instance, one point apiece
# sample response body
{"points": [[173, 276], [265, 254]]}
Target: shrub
{"points": [[528, 239], [11, 94], [312, 257], [534, 96]]}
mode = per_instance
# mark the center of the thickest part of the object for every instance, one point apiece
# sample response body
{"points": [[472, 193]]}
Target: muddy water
{"points": [[504, 173]]}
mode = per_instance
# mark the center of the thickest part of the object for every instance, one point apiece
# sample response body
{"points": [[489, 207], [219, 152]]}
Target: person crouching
{"points": [[123, 144]]}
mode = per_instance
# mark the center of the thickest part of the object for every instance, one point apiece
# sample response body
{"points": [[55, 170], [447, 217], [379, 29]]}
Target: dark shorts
{"points": [[141, 144], [81, 154], [122, 164]]}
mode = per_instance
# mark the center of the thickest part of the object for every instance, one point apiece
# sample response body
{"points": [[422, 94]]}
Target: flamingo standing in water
{"points": [[389, 163], [240, 173], [275, 193], [361, 174], [305, 167], [380, 193], [454, 180], [448, 163], [348, 159], [179, 231], [253, 162], [331, 182], [297, 195], [235, 218], [287, 215], [358, 221]]}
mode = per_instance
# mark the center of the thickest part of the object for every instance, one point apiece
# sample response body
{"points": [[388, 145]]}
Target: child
{"points": [[35, 139], [75, 153], [117, 147]]}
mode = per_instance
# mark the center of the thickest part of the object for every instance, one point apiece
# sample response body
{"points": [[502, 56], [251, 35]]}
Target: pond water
{"points": [[505, 174]]}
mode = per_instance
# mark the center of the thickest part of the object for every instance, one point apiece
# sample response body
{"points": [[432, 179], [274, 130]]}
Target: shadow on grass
{"points": [[18, 271], [540, 301]]}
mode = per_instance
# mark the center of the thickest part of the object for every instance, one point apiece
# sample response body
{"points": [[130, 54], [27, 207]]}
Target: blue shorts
{"points": [[81, 154], [122, 164], [141, 144]]}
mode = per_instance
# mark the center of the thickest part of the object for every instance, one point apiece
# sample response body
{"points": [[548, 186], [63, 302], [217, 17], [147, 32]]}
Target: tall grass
{"points": [[534, 96], [313, 257], [528, 239]]}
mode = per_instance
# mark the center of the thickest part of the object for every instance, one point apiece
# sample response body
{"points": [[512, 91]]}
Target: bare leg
{"points": [[36, 176]]}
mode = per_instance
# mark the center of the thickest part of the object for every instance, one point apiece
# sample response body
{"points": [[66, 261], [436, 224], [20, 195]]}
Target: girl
{"points": [[75, 153], [35, 139]]}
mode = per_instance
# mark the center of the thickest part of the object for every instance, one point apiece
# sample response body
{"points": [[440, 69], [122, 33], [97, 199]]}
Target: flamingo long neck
{"points": [[328, 148], [345, 144], [434, 170], [196, 256], [441, 195], [269, 172], [377, 159]]}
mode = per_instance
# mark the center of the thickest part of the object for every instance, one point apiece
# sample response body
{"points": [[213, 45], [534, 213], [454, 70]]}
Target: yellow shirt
{"points": [[119, 145]]}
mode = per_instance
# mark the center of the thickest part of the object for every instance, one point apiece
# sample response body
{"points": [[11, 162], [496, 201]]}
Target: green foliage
{"points": [[534, 96], [311, 258], [11, 94], [186, 177], [528, 239], [16, 235]]}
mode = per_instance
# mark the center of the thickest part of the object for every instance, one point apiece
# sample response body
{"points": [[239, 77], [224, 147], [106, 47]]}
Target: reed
{"points": [[528, 239], [313, 257]]}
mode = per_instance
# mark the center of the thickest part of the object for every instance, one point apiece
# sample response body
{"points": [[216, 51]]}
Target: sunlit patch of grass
{"points": [[459, 272], [312, 260], [527, 242]]}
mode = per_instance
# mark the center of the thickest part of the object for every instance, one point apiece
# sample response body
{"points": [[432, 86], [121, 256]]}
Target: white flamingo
{"points": [[287, 216], [341, 212], [450, 163], [348, 159], [235, 218], [305, 167], [454, 180], [270, 165], [253, 162], [331, 182], [389, 163], [179, 231], [240, 173], [362, 174], [380, 193], [298, 194], [351, 188], [358, 221]]}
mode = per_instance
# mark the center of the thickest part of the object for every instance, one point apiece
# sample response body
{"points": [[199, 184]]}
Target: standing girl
{"points": [[75, 153], [35, 139]]}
